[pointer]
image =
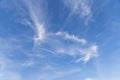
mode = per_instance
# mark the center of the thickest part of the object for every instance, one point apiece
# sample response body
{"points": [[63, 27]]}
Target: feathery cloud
{"points": [[77, 45], [58, 74], [77, 48], [37, 16], [89, 79], [88, 53], [80, 7], [71, 37], [6, 75]]}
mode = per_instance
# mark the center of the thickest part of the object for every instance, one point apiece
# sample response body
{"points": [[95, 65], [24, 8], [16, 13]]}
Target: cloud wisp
{"points": [[81, 8], [37, 16], [71, 37], [88, 53], [70, 45], [58, 73], [89, 79]]}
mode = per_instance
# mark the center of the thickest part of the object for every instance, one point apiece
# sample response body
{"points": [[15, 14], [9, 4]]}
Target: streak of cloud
{"points": [[36, 14]]}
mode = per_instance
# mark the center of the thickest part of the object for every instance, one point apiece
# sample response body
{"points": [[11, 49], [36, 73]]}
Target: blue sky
{"points": [[59, 39]]}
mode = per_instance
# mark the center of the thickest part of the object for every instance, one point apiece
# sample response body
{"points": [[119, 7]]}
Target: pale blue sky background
{"points": [[59, 39]]}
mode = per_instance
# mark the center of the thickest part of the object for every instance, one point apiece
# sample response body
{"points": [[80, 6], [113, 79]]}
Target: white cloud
{"points": [[71, 51], [2, 63], [88, 53], [40, 32], [80, 7], [37, 16], [58, 74], [89, 79], [71, 37], [54, 45], [85, 54], [9, 75], [76, 48], [28, 63], [58, 42], [48, 68]]}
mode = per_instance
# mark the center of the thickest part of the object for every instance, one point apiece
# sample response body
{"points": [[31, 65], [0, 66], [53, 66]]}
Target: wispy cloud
{"points": [[69, 44], [13, 58], [58, 74], [37, 16], [6, 75], [71, 37], [88, 53], [80, 7], [78, 47], [7, 48], [89, 79], [28, 63]]}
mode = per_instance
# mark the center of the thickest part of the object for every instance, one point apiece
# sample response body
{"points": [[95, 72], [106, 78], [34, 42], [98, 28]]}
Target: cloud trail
{"points": [[71, 37], [37, 16]]}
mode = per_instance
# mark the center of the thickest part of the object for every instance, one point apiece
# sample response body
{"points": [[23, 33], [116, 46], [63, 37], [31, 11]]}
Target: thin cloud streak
{"points": [[71, 37], [89, 79], [58, 74], [37, 16]]}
